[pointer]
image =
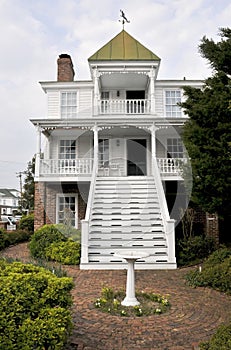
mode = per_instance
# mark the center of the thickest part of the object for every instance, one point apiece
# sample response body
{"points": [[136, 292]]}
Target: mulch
{"points": [[194, 315]]}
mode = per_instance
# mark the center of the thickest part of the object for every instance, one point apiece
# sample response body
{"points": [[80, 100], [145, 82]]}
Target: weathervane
{"points": [[124, 20]]}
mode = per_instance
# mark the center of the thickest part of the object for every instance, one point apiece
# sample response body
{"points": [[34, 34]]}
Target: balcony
{"points": [[171, 166], [124, 107], [60, 167]]}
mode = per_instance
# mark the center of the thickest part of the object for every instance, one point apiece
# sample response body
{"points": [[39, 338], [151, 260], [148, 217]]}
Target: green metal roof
{"points": [[124, 47]]}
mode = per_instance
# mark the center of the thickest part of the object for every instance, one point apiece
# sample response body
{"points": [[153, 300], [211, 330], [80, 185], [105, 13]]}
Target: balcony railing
{"points": [[124, 107], [81, 166], [171, 166]]}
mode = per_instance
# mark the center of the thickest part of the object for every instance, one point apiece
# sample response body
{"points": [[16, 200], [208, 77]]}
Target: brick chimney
{"points": [[65, 68]]}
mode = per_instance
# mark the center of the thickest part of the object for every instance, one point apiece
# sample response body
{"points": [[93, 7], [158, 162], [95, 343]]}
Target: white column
{"points": [[96, 144], [153, 130], [96, 91], [152, 90], [38, 152]]}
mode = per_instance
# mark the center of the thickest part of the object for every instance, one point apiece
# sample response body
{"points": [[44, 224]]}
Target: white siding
{"points": [[53, 99], [85, 101], [159, 101]]}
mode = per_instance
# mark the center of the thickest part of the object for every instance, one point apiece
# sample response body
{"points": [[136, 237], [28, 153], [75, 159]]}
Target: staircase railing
{"points": [[85, 222], [169, 224]]}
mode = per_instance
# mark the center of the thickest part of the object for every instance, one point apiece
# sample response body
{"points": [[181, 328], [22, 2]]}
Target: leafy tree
{"points": [[27, 200], [207, 134]]}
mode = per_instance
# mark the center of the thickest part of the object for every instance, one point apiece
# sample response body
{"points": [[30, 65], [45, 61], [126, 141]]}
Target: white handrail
{"points": [[169, 224], [85, 222]]}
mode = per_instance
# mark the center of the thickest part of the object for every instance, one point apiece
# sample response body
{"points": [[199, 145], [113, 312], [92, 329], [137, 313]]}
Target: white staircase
{"points": [[126, 214]]}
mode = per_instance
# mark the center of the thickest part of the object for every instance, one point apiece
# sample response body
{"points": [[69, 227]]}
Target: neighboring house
{"points": [[9, 201], [112, 161]]}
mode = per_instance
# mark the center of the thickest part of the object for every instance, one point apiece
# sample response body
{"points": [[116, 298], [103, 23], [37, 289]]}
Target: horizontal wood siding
{"points": [[53, 98], [85, 102], [159, 101]]}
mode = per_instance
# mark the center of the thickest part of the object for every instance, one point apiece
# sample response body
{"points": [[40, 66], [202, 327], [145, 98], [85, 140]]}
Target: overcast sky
{"points": [[34, 32]]}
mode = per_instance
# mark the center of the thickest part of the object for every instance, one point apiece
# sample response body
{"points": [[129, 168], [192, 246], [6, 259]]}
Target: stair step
{"points": [[158, 258], [120, 211], [116, 235], [111, 250], [100, 200], [126, 243], [126, 229], [123, 217]]}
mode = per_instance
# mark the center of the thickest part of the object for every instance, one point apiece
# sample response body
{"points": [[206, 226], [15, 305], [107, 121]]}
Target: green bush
{"points": [[221, 340], [67, 253], [216, 272], [194, 249], [13, 237], [69, 232], [34, 308], [42, 238], [27, 223]]}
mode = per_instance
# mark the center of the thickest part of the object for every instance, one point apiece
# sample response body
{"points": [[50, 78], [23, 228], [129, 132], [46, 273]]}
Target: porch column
{"points": [[153, 130], [96, 91], [152, 90], [38, 151], [96, 144]]}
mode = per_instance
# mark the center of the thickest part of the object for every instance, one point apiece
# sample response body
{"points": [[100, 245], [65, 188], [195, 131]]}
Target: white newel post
{"points": [[170, 235], [38, 152], [84, 241]]}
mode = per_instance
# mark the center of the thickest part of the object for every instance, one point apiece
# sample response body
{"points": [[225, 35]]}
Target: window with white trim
{"points": [[103, 152], [67, 209], [68, 105], [175, 148], [67, 149], [172, 98]]}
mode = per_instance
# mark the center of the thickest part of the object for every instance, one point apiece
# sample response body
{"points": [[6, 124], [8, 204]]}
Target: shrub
{"points": [[13, 237], [34, 307], [216, 272], [67, 253], [69, 232], [27, 223], [221, 340], [194, 249], [42, 238]]}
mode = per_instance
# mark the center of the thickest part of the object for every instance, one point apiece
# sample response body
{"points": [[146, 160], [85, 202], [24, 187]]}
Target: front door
{"points": [[136, 157]]}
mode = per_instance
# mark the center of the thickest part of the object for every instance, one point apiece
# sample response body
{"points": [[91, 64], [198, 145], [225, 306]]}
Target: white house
{"points": [[112, 161], [9, 201]]}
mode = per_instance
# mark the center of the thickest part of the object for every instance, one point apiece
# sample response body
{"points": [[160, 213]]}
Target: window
{"points": [[67, 209], [103, 152], [175, 148], [172, 98], [67, 149], [105, 95], [68, 105]]}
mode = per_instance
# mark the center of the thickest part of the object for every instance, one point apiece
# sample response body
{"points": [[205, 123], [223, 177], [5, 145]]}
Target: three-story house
{"points": [[112, 160]]}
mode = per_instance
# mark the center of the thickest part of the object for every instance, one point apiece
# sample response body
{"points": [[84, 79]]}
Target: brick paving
{"points": [[194, 315]]}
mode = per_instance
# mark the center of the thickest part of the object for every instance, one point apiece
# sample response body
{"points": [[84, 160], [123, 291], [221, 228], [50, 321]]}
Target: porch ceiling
{"points": [[129, 81]]}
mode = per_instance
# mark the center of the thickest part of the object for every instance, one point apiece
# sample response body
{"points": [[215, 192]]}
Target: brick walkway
{"points": [[194, 316]]}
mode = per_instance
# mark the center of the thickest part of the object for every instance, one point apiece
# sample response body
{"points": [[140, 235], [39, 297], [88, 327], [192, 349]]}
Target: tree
{"points": [[28, 187], [207, 134]]}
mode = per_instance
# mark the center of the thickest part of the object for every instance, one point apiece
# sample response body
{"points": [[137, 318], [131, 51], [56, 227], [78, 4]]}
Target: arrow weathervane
{"points": [[124, 19]]}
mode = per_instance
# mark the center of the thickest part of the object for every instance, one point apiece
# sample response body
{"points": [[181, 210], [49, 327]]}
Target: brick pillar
{"points": [[39, 195], [212, 226], [65, 68]]}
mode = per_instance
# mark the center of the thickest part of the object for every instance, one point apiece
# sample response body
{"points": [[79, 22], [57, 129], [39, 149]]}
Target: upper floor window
{"points": [[67, 149], [105, 95], [172, 98], [68, 105], [175, 148]]}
